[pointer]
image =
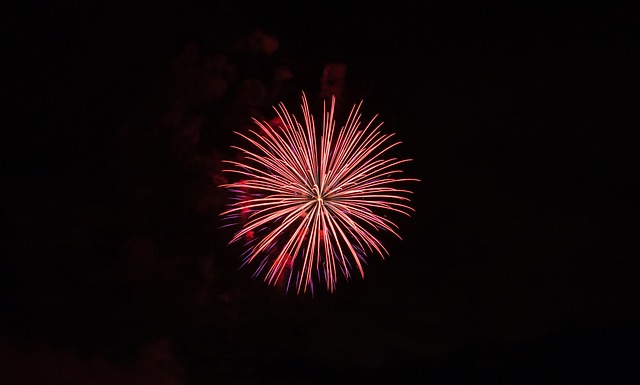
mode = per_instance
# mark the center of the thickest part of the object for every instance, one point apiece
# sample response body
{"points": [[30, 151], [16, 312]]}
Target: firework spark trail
{"points": [[308, 206]]}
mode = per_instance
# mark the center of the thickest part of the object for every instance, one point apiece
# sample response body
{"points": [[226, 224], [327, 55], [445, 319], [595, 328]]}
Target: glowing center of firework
{"points": [[317, 194]]}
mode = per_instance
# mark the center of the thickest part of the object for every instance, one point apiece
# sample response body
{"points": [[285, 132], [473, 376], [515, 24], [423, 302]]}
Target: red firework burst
{"points": [[309, 203]]}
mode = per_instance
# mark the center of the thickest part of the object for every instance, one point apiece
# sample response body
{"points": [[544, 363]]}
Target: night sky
{"points": [[516, 267]]}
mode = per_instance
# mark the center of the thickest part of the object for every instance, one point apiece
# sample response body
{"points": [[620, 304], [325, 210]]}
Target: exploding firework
{"points": [[309, 204]]}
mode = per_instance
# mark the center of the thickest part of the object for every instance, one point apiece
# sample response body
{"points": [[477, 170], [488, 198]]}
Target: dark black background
{"points": [[517, 266]]}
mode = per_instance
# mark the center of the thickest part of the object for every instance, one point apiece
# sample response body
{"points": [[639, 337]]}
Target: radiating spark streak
{"points": [[309, 204]]}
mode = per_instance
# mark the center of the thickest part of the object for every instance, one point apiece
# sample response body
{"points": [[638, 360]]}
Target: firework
{"points": [[309, 204]]}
